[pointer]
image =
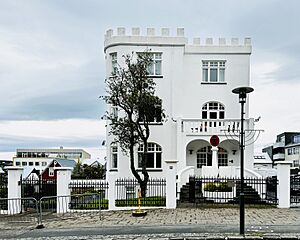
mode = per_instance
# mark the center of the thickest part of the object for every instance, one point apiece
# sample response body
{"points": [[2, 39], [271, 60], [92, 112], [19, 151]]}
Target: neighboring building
{"points": [[41, 158], [49, 172], [286, 148], [195, 83]]}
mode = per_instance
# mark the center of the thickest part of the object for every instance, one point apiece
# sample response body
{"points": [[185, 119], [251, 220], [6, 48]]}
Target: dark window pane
{"points": [[150, 160], [213, 75], [204, 114], [140, 160], [213, 115], [222, 115], [158, 160]]}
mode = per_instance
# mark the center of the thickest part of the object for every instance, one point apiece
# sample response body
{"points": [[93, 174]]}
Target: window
{"points": [[51, 172], [114, 63], [153, 156], [153, 113], [213, 110], [18, 164], [30, 163], [213, 71], [114, 156], [204, 157], [114, 111], [296, 139], [37, 163], [154, 69], [296, 163], [44, 163], [290, 151], [24, 163], [222, 157]]}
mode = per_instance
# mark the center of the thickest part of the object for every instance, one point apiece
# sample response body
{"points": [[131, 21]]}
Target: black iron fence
{"points": [[95, 192], [3, 185], [227, 190], [295, 190], [38, 188], [127, 193]]}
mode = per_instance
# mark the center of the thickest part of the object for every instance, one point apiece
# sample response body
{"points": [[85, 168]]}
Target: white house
{"points": [[195, 82]]}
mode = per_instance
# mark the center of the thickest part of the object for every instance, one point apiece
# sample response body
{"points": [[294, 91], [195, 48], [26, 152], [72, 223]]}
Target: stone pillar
{"points": [[171, 192], [63, 192], [14, 189], [283, 187], [215, 160], [111, 179]]}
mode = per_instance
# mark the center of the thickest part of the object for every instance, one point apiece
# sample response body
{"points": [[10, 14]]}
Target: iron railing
{"points": [[127, 193], [38, 188], [3, 186], [97, 187], [227, 190], [295, 190]]}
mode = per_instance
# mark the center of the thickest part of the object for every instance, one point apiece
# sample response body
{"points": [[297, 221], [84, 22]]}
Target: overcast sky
{"points": [[52, 62]]}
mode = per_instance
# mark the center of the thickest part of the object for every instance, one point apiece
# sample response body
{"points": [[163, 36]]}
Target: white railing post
{"points": [[171, 190], [14, 189], [111, 179], [283, 188], [63, 191]]}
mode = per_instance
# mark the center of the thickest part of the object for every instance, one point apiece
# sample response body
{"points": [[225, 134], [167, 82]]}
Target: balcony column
{"points": [[215, 160]]}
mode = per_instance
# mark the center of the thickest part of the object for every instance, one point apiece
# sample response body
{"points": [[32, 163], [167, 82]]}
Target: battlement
{"points": [[165, 35]]}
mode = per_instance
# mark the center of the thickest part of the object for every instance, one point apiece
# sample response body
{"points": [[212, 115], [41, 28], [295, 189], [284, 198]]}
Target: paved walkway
{"points": [[202, 220]]}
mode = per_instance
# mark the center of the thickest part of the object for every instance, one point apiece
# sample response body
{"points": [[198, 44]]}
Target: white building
{"points": [[41, 158], [195, 83]]}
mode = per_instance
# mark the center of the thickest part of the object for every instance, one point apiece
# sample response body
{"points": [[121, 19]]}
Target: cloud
{"points": [[39, 134]]}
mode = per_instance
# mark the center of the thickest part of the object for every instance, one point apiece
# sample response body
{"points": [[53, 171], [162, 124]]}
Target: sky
{"points": [[52, 67]]}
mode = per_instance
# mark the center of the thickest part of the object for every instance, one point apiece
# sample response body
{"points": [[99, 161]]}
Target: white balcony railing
{"points": [[209, 126]]}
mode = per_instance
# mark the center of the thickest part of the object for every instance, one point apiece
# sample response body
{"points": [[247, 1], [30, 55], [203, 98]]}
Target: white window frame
{"points": [[51, 172], [114, 156], [213, 107], [114, 62], [152, 148], [213, 65], [155, 68]]}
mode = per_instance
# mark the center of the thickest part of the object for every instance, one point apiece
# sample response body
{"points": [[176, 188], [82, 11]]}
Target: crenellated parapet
{"points": [[164, 36]]}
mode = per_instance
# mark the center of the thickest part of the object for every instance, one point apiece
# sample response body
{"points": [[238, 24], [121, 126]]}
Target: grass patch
{"points": [[145, 202]]}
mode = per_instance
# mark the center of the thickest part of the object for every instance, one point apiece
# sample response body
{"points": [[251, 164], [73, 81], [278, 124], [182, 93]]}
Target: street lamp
{"points": [[242, 92]]}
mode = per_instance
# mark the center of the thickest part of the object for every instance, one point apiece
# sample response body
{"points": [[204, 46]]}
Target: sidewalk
{"points": [[190, 220]]}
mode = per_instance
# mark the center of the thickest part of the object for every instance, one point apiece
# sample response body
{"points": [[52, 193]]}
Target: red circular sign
{"points": [[214, 140]]}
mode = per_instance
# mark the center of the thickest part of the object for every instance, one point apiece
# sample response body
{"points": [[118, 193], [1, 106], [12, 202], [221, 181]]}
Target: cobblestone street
{"points": [[258, 220]]}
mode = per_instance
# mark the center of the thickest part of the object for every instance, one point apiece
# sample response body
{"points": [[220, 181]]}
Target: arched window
{"points": [[204, 157], [153, 155], [213, 110]]}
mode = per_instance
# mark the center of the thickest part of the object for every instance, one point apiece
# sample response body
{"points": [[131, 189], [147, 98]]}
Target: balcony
{"points": [[278, 145], [278, 156], [212, 127]]}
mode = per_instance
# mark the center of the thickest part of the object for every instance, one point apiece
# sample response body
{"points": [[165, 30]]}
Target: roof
{"points": [[66, 162]]}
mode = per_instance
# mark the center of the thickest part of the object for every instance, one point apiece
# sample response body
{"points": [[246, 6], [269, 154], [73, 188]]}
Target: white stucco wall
{"points": [[184, 94]]}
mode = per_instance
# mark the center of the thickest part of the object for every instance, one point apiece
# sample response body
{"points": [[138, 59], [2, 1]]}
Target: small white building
{"points": [[195, 82]]}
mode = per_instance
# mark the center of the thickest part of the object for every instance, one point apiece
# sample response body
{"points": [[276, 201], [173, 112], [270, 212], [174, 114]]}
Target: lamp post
{"points": [[242, 92]]}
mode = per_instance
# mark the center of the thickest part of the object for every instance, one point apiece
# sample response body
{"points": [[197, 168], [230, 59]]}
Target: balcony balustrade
{"points": [[212, 127]]}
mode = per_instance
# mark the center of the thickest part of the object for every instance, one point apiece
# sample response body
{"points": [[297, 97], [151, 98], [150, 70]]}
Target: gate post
{"points": [[111, 179], [283, 188], [171, 190], [14, 189], [63, 192]]}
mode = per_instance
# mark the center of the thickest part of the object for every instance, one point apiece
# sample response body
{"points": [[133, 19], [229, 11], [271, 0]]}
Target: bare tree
{"points": [[132, 91]]}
